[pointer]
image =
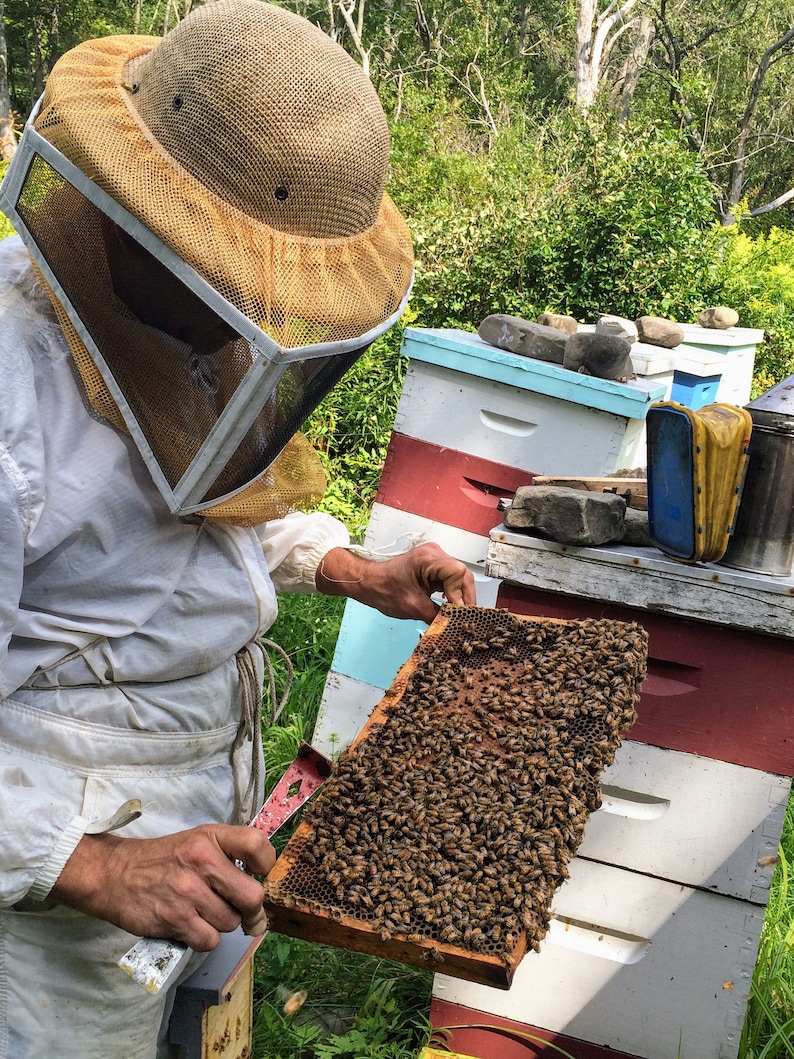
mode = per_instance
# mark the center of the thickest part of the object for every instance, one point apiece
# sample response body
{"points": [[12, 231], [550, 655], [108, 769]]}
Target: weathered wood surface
{"points": [[645, 578]]}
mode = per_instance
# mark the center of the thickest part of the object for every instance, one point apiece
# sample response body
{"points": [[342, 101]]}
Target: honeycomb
{"points": [[451, 821]]}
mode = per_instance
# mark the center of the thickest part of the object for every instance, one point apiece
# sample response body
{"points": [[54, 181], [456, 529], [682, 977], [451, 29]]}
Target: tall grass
{"points": [[769, 1026]]}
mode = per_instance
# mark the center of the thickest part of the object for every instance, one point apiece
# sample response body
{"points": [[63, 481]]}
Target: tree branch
{"points": [[781, 200], [354, 28], [736, 181]]}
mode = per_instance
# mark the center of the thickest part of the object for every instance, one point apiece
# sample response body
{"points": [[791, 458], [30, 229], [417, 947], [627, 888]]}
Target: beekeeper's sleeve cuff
{"points": [[64, 847]]}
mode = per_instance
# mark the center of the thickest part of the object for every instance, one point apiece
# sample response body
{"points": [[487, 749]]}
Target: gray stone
{"points": [[635, 528], [720, 317], [604, 356], [567, 324], [569, 516], [657, 331], [523, 337], [617, 326]]}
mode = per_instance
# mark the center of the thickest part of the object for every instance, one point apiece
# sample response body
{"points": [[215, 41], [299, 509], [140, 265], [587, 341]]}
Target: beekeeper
{"points": [[206, 247]]}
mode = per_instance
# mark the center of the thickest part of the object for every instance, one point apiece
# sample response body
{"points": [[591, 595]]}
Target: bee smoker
{"points": [[763, 536]]}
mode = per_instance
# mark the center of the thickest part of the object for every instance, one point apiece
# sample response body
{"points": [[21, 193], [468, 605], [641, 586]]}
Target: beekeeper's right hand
{"points": [[185, 886]]}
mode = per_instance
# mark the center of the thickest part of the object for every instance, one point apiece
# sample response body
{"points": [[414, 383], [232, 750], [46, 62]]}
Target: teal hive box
{"points": [[465, 352], [462, 394]]}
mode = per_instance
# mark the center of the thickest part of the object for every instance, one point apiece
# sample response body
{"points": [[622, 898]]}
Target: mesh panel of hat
{"points": [[176, 362]]}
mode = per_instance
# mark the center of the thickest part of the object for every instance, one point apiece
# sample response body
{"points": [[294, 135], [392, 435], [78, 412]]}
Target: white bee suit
{"points": [[120, 631]]}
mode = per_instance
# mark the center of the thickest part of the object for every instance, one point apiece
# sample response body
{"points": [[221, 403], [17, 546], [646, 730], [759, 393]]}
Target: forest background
{"points": [[571, 156]]}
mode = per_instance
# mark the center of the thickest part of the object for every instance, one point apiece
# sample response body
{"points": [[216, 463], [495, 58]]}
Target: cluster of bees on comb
{"points": [[453, 821]]}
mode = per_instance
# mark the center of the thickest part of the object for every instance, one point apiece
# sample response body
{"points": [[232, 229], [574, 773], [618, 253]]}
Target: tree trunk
{"points": [[736, 182], [8, 141], [38, 56], [423, 29], [595, 35], [585, 89], [634, 64]]}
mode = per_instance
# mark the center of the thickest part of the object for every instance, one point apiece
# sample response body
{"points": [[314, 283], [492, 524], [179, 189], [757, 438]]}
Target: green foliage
{"points": [[38, 32], [630, 228], [351, 429], [6, 227], [356, 1005], [577, 217], [769, 1026], [758, 281], [306, 629]]}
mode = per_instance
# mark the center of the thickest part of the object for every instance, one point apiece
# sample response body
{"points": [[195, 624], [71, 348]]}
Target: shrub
{"points": [[758, 281], [352, 427], [631, 228], [576, 217]]}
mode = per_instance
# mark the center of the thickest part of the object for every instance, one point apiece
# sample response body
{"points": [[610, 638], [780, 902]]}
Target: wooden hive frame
{"points": [[448, 824]]}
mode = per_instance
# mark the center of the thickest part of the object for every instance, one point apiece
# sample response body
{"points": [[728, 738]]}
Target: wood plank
{"points": [[358, 936], [644, 578]]}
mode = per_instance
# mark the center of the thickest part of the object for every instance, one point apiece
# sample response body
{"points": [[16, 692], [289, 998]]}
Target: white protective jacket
{"points": [[119, 623]]}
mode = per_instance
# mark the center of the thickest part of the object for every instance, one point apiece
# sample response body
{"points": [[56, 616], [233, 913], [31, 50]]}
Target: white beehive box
{"points": [[726, 356], [632, 963], [658, 804], [464, 394], [732, 351]]}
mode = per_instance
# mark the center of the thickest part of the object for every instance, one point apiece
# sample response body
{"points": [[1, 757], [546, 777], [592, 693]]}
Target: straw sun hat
{"points": [[257, 149]]}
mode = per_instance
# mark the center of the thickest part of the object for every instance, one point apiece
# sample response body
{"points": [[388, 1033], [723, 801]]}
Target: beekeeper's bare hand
{"points": [[184, 886], [400, 587]]}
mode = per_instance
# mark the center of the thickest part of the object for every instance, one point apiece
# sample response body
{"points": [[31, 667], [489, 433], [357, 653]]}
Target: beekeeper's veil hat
{"points": [[209, 211]]}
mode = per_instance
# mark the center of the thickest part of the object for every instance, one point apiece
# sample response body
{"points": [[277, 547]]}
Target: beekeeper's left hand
{"points": [[401, 586]]}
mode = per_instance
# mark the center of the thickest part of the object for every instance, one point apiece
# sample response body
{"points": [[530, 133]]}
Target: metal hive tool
{"points": [[449, 824]]}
